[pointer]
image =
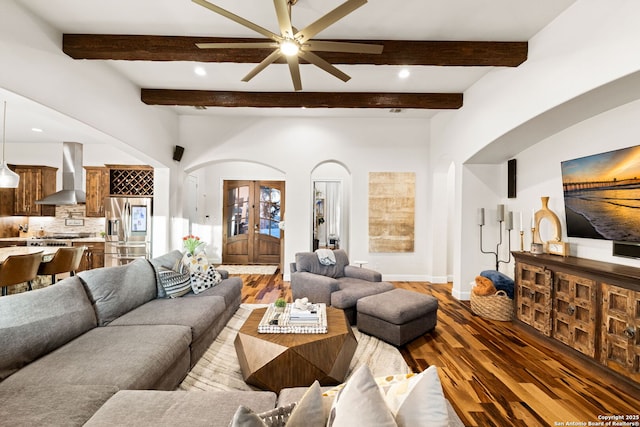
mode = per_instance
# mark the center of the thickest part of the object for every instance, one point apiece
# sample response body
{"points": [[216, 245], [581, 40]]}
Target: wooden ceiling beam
{"points": [[396, 52], [207, 98]]}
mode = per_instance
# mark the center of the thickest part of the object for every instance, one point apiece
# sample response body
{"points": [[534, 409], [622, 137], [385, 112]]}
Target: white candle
{"points": [[533, 219], [521, 226], [509, 222], [480, 216], [500, 212]]}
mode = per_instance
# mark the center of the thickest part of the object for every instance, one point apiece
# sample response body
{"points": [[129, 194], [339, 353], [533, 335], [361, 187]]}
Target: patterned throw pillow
{"points": [[203, 275], [308, 412], [175, 284]]}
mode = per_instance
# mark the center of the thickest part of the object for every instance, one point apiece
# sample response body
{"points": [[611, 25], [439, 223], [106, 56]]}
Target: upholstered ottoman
{"points": [[397, 316]]}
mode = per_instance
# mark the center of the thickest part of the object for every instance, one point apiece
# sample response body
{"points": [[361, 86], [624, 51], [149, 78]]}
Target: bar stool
{"points": [[65, 260], [19, 269]]}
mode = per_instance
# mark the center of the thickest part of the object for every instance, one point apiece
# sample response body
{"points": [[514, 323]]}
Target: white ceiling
{"points": [[471, 20]]}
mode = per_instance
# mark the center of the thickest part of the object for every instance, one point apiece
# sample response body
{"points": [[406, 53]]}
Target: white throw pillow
{"points": [[419, 400], [309, 411], [360, 403]]}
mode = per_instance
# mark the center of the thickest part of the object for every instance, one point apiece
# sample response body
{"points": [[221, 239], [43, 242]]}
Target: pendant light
{"points": [[8, 178]]}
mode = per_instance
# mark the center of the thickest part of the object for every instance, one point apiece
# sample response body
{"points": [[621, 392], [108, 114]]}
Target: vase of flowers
{"points": [[192, 244]]}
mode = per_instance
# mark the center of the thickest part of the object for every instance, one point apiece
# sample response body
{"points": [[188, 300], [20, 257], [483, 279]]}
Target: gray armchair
{"points": [[339, 285]]}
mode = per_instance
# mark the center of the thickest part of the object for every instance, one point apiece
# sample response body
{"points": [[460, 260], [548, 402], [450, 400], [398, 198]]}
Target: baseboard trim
{"points": [[405, 278], [462, 296]]}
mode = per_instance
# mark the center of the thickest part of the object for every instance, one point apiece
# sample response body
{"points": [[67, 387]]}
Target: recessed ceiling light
{"points": [[404, 73], [200, 71], [36, 129]]}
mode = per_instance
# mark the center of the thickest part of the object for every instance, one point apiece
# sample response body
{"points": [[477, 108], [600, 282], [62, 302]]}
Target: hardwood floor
{"points": [[494, 373]]}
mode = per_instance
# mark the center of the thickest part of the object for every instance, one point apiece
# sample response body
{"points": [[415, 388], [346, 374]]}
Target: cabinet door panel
{"points": [[533, 297], [620, 333], [574, 312]]}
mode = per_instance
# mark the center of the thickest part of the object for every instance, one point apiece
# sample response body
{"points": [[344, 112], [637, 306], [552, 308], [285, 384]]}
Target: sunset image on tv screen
{"points": [[602, 195]]}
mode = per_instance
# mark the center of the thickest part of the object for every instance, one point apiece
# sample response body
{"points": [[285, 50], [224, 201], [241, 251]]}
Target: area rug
{"points": [[218, 369], [249, 269]]}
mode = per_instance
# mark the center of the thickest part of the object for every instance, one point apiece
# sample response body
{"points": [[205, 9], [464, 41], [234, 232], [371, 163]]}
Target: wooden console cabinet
{"points": [[590, 306]]}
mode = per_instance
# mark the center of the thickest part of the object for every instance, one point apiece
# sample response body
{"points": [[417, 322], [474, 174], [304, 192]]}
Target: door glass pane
{"points": [[270, 211], [237, 211]]}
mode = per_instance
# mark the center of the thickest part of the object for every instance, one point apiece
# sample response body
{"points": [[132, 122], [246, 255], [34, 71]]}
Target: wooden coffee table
{"points": [[276, 361]]}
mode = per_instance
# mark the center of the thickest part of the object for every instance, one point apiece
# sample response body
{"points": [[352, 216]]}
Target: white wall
{"points": [[93, 93], [578, 67], [295, 146], [618, 128]]}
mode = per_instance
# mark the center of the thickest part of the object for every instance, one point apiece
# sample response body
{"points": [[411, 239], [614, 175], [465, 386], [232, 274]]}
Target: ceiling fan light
{"points": [[289, 47]]}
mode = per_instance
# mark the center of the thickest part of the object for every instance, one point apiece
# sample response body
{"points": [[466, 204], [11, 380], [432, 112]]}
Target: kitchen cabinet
{"points": [[36, 182], [593, 308], [7, 198], [93, 256], [97, 188], [7, 201]]}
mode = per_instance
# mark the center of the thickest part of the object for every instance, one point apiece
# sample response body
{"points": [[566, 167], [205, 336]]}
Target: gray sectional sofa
{"points": [[68, 348], [100, 349]]}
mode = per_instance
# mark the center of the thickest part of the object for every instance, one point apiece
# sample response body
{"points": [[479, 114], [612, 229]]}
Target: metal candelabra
{"points": [[508, 226]]}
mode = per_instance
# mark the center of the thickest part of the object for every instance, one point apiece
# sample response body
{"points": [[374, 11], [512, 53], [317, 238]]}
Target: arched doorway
{"points": [[330, 184]]}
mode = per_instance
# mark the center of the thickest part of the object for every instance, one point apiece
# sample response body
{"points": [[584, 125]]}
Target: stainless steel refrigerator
{"points": [[127, 229]]}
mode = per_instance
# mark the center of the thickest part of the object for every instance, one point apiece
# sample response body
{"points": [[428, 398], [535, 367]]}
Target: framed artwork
{"points": [[392, 211]]}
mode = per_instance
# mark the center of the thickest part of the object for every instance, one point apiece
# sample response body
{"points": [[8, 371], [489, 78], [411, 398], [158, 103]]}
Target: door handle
{"points": [[630, 332], [570, 310]]}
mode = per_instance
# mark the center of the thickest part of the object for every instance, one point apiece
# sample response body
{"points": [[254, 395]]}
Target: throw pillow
{"points": [[308, 412], [174, 284], [245, 417], [360, 403], [418, 400], [203, 275]]}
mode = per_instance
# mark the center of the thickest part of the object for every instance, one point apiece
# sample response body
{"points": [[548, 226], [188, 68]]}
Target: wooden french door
{"points": [[252, 211]]}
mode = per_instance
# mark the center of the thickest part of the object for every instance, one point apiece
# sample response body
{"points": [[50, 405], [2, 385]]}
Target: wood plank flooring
{"points": [[495, 373]]}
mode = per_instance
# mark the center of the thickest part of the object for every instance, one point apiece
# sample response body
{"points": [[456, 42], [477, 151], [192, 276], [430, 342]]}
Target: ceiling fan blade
{"points": [[255, 27], [257, 45], [284, 19], [261, 66], [330, 18], [319, 62], [327, 46], [294, 69]]}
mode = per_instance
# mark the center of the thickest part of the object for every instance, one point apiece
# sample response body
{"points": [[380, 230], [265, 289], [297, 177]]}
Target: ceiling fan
{"points": [[293, 43]]}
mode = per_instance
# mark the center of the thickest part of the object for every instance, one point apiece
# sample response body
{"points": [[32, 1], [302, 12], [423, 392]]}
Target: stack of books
{"points": [[294, 321], [310, 315]]}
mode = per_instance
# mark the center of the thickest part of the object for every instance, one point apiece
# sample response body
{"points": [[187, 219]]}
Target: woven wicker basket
{"points": [[495, 307]]}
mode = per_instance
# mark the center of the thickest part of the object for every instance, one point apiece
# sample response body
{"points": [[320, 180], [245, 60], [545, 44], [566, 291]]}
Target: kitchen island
{"points": [[47, 251]]}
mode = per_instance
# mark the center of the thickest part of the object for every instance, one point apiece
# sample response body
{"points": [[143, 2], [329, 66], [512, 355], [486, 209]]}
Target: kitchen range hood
{"points": [[71, 193]]}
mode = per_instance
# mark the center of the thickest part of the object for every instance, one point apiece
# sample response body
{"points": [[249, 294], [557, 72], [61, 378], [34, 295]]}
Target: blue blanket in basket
{"points": [[501, 281]]}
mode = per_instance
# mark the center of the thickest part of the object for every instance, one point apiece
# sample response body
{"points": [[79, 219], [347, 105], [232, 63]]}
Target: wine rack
{"points": [[131, 181]]}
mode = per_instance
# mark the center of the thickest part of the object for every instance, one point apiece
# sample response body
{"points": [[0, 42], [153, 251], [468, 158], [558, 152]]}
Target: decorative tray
{"points": [[280, 322]]}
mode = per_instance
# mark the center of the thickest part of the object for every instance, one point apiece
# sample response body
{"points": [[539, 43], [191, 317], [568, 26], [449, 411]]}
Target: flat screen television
{"points": [[602, 195]]}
